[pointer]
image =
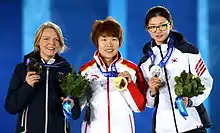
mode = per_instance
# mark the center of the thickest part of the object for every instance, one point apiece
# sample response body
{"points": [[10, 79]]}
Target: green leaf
{"points": [[74, 84], [198, 80], [187, 90], [194, 84], [188, 85], [188, 78], [183, 76], [178, 80], [178, 90]]}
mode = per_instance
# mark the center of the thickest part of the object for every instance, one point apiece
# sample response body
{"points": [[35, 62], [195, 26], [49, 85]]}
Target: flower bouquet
{"points": [[74, 86], [187, 85]]}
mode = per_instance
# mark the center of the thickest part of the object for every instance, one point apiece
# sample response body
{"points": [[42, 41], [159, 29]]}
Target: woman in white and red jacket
{"points": [[109, 110]]}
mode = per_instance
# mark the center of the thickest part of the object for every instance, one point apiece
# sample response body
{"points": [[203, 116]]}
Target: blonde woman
{"points": [[34, 94]]}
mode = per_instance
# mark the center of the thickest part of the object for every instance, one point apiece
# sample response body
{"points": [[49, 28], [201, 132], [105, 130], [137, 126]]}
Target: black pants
{"points": [[198, 130]]}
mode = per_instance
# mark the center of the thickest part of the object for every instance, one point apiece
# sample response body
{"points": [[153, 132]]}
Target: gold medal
{"points": [[120, 83]]}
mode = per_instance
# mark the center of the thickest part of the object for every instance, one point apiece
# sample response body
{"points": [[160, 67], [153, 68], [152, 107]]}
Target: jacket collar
{"points": [[101, 63], [177, 38], [36, 55]]}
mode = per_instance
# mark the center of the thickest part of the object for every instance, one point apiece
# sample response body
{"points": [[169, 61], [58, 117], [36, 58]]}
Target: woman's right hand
{"points": [[32, 78], [154, 84]]}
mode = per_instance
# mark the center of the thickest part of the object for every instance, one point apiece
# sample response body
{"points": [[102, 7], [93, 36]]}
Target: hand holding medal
{"points": [[156, 71], [121, 82], [154, 84]]}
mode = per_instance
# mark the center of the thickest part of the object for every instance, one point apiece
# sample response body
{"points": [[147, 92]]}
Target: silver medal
{"points": [[156, 71]]}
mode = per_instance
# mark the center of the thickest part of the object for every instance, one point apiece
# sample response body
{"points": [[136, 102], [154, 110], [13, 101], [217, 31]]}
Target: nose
{"points": [[52, 41], [109, 42], [157, 29]]}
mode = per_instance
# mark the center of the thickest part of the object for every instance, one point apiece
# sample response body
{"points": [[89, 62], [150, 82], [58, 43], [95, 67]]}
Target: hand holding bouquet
{"points": [[73, 86], [187, 85]]}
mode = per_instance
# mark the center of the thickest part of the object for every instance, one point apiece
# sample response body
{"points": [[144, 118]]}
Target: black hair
{"points": [[158, 11]]}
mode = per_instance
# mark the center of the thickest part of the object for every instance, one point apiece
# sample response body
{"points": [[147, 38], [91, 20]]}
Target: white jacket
{"points": [[183, 54], [111, 110]]}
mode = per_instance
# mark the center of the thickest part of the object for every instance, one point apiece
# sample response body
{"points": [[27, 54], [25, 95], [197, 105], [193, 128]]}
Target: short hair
{"points": [[157, 11], [107, 27], [40, 31]]}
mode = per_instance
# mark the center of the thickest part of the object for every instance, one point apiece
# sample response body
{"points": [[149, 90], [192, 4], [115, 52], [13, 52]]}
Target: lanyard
{"points": [[112, 73], [166, 57]]}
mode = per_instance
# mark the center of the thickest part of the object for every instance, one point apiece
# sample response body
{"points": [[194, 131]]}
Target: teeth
{"points": [[51, 48], [109, 50]]}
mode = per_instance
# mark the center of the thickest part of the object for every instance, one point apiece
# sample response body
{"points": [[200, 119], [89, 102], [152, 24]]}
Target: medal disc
{"points": [[156, 71]]}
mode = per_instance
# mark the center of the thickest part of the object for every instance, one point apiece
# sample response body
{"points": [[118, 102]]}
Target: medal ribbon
{"points": [[181, 107], [67, 109], [112, 73], [179, 101], [166, 57]]}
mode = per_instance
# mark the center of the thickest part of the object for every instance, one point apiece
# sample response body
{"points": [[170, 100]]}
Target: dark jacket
{"points": [[40, 105], [179, 42]]}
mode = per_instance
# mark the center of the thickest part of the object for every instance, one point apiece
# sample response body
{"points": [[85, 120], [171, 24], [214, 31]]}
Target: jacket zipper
{"points": [[168, 86], [108, 98], [131, 124], [46, 104], [24, 117]]}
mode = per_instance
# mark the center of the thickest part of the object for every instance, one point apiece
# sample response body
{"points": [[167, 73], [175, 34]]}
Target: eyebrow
{"points": [[50, 36], [159, 23]]}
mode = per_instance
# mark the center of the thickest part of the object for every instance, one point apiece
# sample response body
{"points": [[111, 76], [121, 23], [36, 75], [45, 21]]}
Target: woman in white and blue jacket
{"points": [[173, 54]]}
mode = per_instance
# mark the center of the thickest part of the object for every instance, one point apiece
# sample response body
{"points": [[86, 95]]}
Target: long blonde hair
{"points": [[40, 31]]}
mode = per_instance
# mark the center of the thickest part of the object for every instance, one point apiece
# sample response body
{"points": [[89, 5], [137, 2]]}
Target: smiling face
{"points": [[108, 48], [162, 29], [49, 44]]}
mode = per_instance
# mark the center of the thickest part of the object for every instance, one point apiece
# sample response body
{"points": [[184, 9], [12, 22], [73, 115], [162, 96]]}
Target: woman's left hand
{"points": [[68, 99], [185, 101], [126, 75]]}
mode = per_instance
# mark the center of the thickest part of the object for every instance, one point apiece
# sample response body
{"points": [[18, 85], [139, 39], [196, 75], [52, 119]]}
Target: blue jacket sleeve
{"points": [[19, 92]]}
